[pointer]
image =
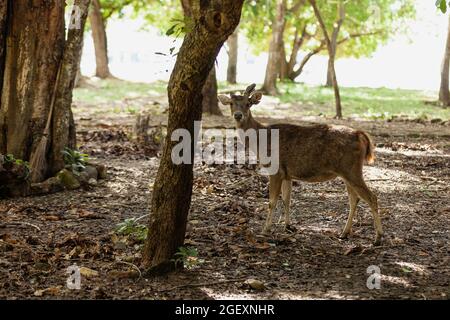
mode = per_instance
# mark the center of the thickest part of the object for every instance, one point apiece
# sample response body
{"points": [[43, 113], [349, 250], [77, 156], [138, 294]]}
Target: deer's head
{"points": [[240, 104]]}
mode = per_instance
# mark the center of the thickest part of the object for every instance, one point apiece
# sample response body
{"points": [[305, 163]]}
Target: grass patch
{"points": [[111, 90], [380, 103]]}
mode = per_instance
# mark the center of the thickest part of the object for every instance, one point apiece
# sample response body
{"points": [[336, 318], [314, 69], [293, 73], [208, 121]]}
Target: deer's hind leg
{"points": [[353, 200], [274, 193], [357, 183], [286, 188]]}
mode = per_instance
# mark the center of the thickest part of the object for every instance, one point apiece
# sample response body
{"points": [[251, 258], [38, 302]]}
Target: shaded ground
{"points": [[41, 236]]}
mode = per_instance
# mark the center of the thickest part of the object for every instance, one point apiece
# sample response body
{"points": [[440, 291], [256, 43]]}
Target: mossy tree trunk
{"points": [[213, 22]]}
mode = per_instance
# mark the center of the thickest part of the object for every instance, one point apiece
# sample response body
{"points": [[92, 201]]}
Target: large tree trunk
{"points": [[210, 101], [213, 23], [334, 42], [34, 54], [100, 41], [337, 94], [35, 34], [273, 63], [233, 50], [444, 95], [3, 24]]}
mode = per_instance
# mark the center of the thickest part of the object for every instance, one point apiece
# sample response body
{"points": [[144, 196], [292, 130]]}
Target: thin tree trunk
{"points": [[283, 71], [295, 73], [337, 94], [273, 63], [210, 101], [63, 123], [100, 41], [213, 23], [444, 95], [233, 50], [79, 79], [35, 43], [334, 40]]}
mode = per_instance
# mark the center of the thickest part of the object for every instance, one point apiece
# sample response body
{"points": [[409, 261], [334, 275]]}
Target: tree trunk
{"points": [[233, 50], [334, 38], [213, 23], [273, 64], [284, 67], [100, 41], [337, 94], [36, 34], [444, 95], [3, 23], [63, 123], [210, 101], [79, 79], [34, 53]]}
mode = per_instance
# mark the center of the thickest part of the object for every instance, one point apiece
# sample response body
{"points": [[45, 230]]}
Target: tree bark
{"points": [[100, 41], [213, 23], [233, 50], [444, 95], [273, 63], [3, 24], [35, 52], [337, 94], [210, 101], [36, 34], [334, 42], [64, 134]]}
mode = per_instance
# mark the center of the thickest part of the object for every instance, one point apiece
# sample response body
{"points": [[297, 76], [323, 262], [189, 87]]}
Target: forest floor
{"points": [[40, 237]]}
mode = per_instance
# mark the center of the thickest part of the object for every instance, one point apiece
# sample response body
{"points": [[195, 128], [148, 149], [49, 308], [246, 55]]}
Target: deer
{"points": [[313, 153]]}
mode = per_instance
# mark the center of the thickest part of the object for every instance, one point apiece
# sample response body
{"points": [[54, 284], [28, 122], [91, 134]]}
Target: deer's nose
{"points": [[238, 115]]}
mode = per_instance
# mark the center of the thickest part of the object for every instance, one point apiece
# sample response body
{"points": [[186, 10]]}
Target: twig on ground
{"points": [[16, 223], [204, 284], [132, 265]]}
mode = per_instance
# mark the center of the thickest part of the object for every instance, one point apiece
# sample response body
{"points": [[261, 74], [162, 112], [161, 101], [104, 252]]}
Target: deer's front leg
{"points": [[274, 193]]}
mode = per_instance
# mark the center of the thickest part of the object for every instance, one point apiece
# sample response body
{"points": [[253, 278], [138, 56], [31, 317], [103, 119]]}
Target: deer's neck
{"points": [[251, 123]]}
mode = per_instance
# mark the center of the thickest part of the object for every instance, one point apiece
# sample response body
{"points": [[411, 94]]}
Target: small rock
{"points": [[92, 182]]}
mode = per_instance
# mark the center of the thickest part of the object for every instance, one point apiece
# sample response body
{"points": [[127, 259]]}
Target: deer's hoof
{"points": [[378, 240], [344, 235], [290, 228]]}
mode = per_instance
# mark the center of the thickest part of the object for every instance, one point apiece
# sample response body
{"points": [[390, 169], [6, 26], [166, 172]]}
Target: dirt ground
{"points": [[40, 237]]}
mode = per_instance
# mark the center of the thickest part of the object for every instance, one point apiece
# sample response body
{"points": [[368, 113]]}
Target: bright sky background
{"points": [[411, 62]]}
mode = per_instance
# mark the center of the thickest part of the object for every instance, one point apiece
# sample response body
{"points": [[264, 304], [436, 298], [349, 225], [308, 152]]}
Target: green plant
{"points": [[9, 158], [130, 227], [75, 160], [187, 257]]}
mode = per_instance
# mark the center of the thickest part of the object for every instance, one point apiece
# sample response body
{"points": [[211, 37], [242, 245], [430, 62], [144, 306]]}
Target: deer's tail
{"points": [[370, 148]]}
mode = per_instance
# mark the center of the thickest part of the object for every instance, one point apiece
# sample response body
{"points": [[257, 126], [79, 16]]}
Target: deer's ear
{"points": [[224, 99], [256, 97]]}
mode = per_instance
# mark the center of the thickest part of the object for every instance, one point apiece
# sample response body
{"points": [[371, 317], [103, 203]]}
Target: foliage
{"points": [[9, 158], [75, 160], [376, 21], [442, 5], [130, 227], [187, 257]]}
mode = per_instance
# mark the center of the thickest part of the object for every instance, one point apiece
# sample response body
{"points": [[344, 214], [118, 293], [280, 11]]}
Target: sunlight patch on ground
{"points": [[410, 267]]}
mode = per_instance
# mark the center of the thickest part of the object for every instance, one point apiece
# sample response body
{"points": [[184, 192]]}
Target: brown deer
{"points": [[313, 154]]}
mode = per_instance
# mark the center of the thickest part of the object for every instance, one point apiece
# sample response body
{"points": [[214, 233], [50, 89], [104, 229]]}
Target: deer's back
{"points": [[318, 152]]}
